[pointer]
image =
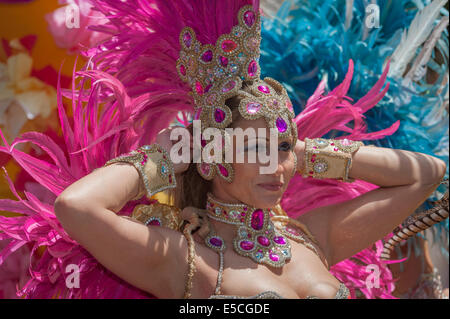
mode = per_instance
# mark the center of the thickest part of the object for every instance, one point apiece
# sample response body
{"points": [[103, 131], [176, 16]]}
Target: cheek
{"points": [[245, 174], [288, 163]]}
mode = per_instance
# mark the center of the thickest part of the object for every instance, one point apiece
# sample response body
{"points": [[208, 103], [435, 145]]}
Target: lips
{"points": [[271, 186]]}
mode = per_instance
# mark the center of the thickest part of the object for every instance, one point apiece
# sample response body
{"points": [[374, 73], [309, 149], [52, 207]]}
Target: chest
{"points": [[304, 275]]}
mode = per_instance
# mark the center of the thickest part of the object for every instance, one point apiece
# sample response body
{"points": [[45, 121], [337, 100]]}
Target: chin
{"points": [[269, 201]]}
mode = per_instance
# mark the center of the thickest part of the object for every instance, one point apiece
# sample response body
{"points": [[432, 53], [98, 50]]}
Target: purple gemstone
{"points": [[264, 89], [223, 170], [274, 257], [263, 240], [203, 142], [252, 68], [257, 221], [187, 39], [247, 245], [229, 86], [199, 88], [280, 240], [281, 125], [217, 242], [208, 87], [253, 107], [249, 18], [228, 45], [223, 61], [219, 115], [182, 69], [207, 56]]}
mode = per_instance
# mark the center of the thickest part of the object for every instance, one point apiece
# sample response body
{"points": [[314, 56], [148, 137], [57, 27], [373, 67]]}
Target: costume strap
{"points": [[154, 166]]}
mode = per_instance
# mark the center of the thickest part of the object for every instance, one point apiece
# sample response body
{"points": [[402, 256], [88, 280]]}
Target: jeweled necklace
{"points": [[256, 236]]}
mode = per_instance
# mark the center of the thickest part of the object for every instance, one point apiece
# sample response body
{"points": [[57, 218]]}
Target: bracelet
{"points": [[154, 167], [329, 158]]}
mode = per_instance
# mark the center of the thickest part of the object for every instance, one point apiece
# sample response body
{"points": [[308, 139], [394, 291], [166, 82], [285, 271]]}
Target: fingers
{"points": [[196, 217]]}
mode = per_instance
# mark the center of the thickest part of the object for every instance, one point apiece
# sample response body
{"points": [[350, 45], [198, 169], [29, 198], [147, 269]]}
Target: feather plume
{"points": [[417, 33]]}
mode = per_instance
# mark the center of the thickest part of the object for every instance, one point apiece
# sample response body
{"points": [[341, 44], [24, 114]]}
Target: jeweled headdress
{"points": [[216, 73]]}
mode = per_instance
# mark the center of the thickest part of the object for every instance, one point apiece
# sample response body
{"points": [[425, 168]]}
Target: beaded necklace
{"points": [[256, 236]]}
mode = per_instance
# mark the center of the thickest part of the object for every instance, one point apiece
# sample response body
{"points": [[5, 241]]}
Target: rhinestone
{"points": [[218, 210], [234, 214], [320, 167]]}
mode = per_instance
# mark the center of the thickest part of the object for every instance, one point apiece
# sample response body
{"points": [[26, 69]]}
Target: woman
{"points": [[262, 253]]}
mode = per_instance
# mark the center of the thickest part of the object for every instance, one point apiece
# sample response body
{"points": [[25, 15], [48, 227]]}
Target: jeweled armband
{"points": [[154, 167], [328, 158]]}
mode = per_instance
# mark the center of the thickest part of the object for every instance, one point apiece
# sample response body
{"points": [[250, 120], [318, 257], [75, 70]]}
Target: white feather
{"points": [[418, 32]]}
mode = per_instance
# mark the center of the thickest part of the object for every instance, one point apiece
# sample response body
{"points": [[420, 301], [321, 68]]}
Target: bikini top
{"points": [[158, 214]]}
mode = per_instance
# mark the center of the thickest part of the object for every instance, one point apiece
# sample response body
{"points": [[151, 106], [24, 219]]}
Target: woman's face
{"points": [[249, 186]]}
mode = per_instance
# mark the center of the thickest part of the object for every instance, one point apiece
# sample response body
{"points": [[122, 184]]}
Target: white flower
{"points": [[22, 97]]}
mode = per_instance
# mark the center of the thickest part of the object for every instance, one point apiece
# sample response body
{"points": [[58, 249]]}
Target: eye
{"points": [[255, 147], [285, 147]]}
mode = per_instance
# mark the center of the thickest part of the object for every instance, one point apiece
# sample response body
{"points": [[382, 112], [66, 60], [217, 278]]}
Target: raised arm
{"points": [[138, 254], [406, 180]]}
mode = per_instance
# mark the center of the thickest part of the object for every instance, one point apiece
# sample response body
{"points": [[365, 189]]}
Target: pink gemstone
{"points": [[336, 149], [274, 257], [249, 18], [219, 115], [207, 56], [252, 68], [263, 240], [313, 159], [264, 89], [223, 61], [331, 143], [203, 142], [217, 242], [257, 221], [281, 125], [229, 86], [247, 245], [205, 168], [182, 69], [314, 147], [187, 39], [199, 88], [279, 240], [223, 170], [253, 107], [155, 222], [228, 45]]}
